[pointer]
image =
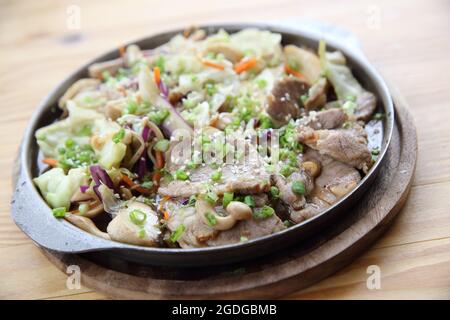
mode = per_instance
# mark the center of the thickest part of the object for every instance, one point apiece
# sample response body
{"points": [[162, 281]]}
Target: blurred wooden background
{"points": [[408, 41]]}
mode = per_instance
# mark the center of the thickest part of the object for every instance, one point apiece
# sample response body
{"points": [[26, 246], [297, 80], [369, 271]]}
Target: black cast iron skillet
{"points": [[34, 217]]}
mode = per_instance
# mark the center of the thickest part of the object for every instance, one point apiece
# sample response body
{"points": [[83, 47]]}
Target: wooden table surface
{"points": [[408, 41]]}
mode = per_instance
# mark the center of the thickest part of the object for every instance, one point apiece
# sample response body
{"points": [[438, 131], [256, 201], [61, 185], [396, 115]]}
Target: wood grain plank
{"points": [[28, 275], [412, 271], [417, 270]]}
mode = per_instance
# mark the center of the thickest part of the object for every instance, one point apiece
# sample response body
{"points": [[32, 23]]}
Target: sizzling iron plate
{"points": [[34, 217]]}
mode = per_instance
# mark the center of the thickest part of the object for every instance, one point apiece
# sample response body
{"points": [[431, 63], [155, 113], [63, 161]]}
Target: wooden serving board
{"points": [[278, 274]]}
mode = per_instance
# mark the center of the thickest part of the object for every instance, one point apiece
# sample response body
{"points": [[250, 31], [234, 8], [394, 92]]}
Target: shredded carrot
{"points": [[187, 32], [166, 215], [159, 160], [245, 65], [156, 178], [51, 162], [161, 207], [159, 165], [214, 121], [122, 90], [135, 186], [213, 64], [289, 70], [138, 98], [127, 180], [142, 190], [122, 51], [157, 75]]}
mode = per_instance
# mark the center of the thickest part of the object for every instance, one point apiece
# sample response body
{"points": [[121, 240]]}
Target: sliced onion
{"points": [[94, 174], [99, 175], [155, 129], [106, 179], [146, 133], [83, 188], [97, 192], [163, 89], [111, 203], [141, 167], [175, 121]]}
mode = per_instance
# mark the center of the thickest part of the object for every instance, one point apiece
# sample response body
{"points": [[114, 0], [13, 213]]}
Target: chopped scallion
{"points": [[162, 145], [138, 217], [177, 233], [250, 201], [298, 187], [181, 175], [118, 136], [59, 212], [211, 218], [263, 212], [227, 198]]}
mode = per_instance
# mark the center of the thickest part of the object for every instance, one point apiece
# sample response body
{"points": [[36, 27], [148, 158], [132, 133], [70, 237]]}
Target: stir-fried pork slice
{"points": [[346, 145], [317, 95], [366, 104], [245, 179], [284, 185], [246, 176], [335, 181], [336, 177], [327, 119], [197, 233], [312, 208], [283, 102], [248, 229]]}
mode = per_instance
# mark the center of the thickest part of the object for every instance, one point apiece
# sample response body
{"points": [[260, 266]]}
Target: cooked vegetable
{"points": [[298, 187], [245, 65], [178, 233], [119, 136], [345, 85], [162, 145], [216, 176], [58, 188], [227, 198], [59, 212], [248, 200], [264, 212]]}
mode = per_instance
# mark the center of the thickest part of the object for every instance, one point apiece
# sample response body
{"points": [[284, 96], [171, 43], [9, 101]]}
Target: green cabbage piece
{"points": [[198, 115], [90, 99], [344, 83], [110, 154], [58, 188], [260, 43], [53, 136]]}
